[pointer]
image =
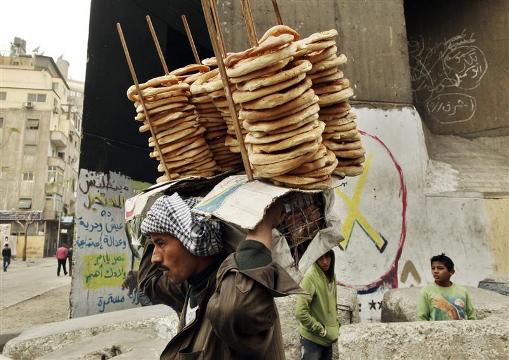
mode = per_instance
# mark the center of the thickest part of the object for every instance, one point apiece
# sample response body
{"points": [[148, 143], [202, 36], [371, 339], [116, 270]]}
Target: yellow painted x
{"points": [[354, 214]]}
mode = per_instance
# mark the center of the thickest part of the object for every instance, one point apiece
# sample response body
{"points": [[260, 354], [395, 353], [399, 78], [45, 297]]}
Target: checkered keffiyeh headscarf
{"points": [[172, 215]]}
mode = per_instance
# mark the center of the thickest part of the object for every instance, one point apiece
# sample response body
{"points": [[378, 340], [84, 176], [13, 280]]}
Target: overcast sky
{"points": [[58, 27]]}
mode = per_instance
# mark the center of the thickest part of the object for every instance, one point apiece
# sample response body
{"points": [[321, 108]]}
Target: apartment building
{"points": [[40, 136]]}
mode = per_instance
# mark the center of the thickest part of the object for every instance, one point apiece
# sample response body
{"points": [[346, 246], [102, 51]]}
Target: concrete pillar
{"points": [[372, 34]]}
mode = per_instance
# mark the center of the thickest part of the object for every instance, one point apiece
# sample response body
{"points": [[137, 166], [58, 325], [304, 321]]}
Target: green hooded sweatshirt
{"points": [[317, 310]]}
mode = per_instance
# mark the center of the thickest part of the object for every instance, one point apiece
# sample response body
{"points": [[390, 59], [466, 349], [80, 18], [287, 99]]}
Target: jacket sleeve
{"points": [[423, 306], [157, 287], [302, 309], [242, 309]]}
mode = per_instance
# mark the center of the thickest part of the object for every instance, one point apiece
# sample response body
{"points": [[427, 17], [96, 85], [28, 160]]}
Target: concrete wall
{"points": [[35, 246], [459, 65], [101, 250], [372, 37], [393, 223]]}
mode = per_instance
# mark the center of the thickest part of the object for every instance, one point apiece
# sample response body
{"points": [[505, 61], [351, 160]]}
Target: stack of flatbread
{"points": [[219, 98], [333, 90], [175, 124], [205, 90], [279, 111], [212, 119]]}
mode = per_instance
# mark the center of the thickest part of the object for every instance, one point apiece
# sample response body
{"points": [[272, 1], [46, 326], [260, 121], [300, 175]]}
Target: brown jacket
{"points": [[237, 317]]}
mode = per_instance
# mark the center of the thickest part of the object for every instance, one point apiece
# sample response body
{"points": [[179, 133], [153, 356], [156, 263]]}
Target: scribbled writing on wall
{"points": [[103, 255], [101, 270], [102, 190], [443, 75], [106, 232]]}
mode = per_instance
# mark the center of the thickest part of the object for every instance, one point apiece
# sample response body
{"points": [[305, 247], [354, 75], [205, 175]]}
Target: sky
{"points": [[58, 27]]}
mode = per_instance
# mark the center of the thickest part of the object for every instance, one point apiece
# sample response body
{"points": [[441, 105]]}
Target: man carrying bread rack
{"points": [[225, 301]]}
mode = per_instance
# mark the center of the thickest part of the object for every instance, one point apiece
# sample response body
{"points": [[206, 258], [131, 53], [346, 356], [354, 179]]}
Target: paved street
{"points": [[23, 281]]}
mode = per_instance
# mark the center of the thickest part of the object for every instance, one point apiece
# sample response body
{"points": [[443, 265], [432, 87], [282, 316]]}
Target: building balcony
{"points": [[58, 138], [49, 215], [56, 161], [54, 188]]}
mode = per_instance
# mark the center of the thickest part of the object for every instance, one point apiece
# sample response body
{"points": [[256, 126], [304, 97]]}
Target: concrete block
{"points": [[121, 344], [453, 340], [289, 326], [348, 306], [496, 283], [400, 304], [157, 321], [142, 333]]}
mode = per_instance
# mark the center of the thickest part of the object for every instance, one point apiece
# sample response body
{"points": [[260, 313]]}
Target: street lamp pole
{"points": [[58, 231]]}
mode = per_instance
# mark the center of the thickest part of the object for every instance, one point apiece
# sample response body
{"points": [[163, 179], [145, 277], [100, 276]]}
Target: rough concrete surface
{"points": [[156, 322], [141, 333], [121, 344], [400, 304], [476, 166], [453, 340]]}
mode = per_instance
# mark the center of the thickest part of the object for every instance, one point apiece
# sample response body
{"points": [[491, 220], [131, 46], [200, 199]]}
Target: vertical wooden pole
{"points": [[138, 90], [278, 14], [208, 6], [158, 47], [191, 40], [248, 19], [215, 18]]}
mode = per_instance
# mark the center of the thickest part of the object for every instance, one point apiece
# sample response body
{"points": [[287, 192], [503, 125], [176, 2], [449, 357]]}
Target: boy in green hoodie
{"points": [[443, 300], [316, 311]]}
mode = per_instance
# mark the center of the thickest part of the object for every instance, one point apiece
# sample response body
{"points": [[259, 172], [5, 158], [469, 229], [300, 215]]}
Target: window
{"points": [[32, 124], [4, 172], [61, 155], [28, 176], [55, 86], [30, 149], [1, 122], [3, 96], [36, 98], [56, 201], [55, 174], [25, 203]]}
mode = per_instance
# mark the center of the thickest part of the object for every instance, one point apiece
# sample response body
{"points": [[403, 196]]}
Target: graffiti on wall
{"points": [[443, 74], [371, 249], [103, 255]]}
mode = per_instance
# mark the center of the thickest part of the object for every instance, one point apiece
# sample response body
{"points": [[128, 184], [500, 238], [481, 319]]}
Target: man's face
{"points": [[440, 272], [177, 262], [324, 262]]}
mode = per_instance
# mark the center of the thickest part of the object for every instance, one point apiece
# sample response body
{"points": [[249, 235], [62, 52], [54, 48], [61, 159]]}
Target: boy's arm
{"points": [[423, 306], [469, 307], [302, 309]]}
